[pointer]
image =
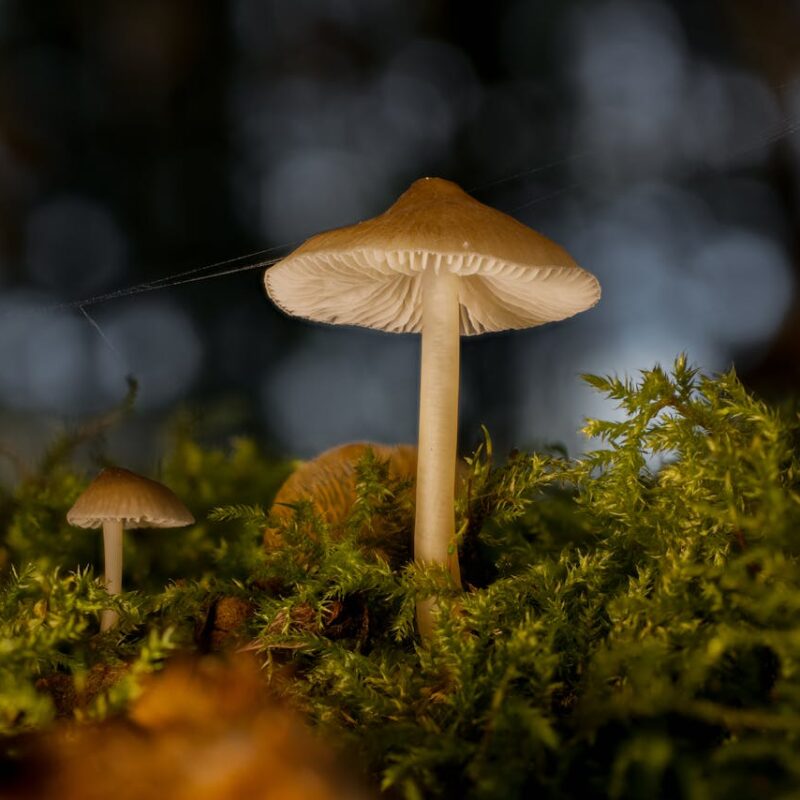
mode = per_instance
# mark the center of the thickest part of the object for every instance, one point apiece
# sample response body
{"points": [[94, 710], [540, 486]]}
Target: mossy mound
{"points": [[630, 628]]}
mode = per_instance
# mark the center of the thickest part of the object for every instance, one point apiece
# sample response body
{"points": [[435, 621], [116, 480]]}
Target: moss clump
{"points": [[631, 626]]}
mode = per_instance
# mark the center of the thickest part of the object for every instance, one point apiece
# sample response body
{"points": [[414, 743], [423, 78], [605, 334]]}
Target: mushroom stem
{"points": [[434, 529], [112, 550]]}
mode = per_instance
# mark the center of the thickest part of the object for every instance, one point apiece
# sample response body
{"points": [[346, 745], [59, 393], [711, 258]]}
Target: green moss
{"points": [[629, 630]]}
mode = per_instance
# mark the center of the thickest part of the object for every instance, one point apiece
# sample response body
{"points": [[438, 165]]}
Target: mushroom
{"points": [[117, 499], [441, 264], [329, 480]]}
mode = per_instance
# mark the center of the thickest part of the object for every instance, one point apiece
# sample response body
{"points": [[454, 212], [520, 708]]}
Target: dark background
{"points": [[657, 141]]}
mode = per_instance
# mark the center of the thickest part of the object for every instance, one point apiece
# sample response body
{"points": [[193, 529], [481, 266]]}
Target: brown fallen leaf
{"points": [[206, 729]]}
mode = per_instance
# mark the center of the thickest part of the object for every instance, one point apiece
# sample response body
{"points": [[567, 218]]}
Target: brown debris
{"points": [[343, 619], [224, 627], [71, 693], [231, 616]]}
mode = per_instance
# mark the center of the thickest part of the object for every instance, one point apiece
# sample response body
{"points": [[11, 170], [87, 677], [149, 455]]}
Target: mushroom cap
{"points": [[329, 480], [370, 274], [120, 495]]}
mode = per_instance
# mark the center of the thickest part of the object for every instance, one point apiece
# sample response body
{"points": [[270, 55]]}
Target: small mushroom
{"points": [[118, 499], [444, 265]]}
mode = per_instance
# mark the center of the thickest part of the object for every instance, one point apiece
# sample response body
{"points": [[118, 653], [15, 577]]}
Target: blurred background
{"points": [[657, 141]]}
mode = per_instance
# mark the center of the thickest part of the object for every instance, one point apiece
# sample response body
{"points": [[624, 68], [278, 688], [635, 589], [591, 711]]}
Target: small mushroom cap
{"points": [[370, 274], [120, 495]]}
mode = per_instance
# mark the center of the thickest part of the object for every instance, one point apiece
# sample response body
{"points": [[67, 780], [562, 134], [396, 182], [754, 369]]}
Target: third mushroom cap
{"points": [[442, 264]]}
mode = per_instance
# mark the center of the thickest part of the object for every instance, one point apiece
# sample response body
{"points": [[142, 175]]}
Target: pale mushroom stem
{"points": [[112, 549], [434, 529]]}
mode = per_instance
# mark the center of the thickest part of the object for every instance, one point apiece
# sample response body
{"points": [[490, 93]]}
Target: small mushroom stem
{"points": [[434, 528], [112, 550]]}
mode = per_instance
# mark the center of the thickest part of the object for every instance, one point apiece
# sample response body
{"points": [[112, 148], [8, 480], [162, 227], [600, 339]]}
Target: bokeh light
{"points": [[629, 71], [742, 288], [657, 140], [314, 190], [43, 355], [157, 343], [344, 385], [74, 246]]}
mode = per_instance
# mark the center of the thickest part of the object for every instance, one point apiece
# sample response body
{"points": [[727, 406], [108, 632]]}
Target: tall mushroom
{"points": [[441, 264], [118, 499]]}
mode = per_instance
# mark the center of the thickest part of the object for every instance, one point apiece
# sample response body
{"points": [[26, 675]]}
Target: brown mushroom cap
{"points": [[370, 274], [120, 495], [329, 480]]}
